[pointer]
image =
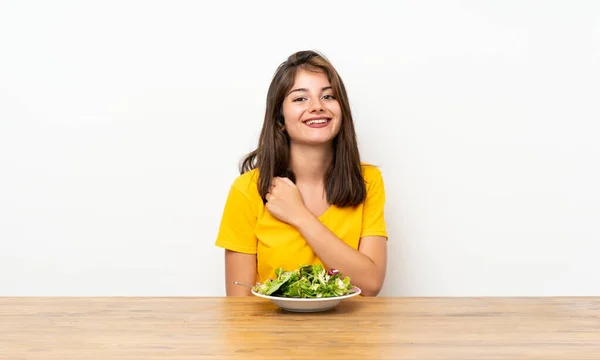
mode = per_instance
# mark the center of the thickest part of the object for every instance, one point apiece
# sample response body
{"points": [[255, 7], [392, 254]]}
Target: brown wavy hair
{"points": [[344, 183]]}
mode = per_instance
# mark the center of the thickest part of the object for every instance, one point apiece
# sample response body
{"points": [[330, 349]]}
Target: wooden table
{"points": [[253, 328]]}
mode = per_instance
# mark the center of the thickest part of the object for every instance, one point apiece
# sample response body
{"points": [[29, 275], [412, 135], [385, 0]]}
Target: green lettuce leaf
{"points": [[308, 281]]}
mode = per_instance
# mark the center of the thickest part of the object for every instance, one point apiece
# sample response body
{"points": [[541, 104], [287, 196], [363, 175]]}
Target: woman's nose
{"points": [[316, 105]]}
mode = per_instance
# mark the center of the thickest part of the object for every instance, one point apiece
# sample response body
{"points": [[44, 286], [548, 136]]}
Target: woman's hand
{"points": [[285, 202]]}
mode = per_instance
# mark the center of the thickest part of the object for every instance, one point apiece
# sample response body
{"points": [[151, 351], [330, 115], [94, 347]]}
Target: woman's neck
{"points": [[309, 163]]}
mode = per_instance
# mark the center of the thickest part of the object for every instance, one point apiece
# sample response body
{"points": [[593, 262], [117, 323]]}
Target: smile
{"points": [[317, 123]]}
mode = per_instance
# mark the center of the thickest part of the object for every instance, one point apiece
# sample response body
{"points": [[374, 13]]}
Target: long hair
{"points": [[344, 184]]}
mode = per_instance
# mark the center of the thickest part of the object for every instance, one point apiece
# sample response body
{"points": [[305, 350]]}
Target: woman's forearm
{"points": [[335, 253]]}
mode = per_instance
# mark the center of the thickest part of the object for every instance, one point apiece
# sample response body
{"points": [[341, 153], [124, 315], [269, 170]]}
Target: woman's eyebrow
{"points": [[305, 89]]}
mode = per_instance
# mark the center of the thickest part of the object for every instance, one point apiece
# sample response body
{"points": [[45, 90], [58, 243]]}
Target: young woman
{"points": [[303, 196]]}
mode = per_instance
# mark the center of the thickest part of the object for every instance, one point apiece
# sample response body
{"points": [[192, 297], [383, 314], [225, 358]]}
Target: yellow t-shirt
{"points": [[247, 227]]}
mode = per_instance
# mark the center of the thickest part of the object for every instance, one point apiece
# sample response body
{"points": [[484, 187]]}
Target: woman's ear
{"points": [[281, 121]]}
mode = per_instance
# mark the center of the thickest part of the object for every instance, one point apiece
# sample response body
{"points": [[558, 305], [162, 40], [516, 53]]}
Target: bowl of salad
{"points": [[310, 288]]}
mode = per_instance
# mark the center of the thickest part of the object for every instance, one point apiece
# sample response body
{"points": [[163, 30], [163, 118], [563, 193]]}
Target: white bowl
{"points": [[306, 304]]}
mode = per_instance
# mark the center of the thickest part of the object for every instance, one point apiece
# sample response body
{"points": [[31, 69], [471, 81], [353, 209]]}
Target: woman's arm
{"points": [[239, 267], [365, 267], [236, 236]]}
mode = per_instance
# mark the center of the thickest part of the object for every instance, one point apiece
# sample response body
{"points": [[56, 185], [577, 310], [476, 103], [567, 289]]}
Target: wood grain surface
{"points": [[253, 328]]}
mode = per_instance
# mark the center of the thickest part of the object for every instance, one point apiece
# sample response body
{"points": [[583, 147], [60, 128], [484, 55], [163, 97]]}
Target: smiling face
{"points": [[312, 114]]}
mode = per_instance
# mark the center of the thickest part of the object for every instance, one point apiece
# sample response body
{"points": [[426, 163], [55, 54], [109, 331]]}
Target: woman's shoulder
{"points": [[247, 183], [370, 172]]}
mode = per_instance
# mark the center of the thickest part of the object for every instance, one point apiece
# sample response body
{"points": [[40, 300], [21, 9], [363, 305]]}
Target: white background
{"points": [[122, 124]]}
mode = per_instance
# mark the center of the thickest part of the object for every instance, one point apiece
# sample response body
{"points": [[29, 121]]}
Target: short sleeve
{"points": [[236, 231], [373, 208]]}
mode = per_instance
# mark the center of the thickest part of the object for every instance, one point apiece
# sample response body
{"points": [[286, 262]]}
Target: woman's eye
{"points": [[299, 99], [329, 97]]}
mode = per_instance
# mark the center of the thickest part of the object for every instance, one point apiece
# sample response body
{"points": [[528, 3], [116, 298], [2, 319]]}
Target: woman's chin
{"points": [[313, 142]]}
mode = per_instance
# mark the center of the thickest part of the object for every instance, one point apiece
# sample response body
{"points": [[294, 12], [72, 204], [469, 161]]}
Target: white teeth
{"points": [[317, 121]]}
